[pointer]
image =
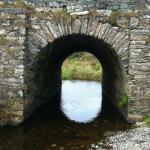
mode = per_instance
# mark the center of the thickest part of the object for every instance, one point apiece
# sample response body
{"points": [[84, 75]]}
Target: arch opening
{"points": [[81, 92], [48, 78]]}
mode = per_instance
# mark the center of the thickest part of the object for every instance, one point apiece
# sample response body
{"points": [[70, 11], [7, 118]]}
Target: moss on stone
{"points": [[123, 102], [147, 120]]}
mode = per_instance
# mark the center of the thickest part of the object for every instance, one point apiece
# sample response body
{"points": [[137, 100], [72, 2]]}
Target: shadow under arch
{"points": [[47, 74]]}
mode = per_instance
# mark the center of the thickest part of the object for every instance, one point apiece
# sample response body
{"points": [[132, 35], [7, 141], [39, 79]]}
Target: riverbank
{"points": [[82, 66]]}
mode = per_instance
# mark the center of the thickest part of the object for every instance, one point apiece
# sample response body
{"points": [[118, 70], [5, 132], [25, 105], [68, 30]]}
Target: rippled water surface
{"points": [[49, 129]]}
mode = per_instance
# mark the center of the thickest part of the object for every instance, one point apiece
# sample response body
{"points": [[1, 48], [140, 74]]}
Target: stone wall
{"points": [[12, 46], [139, 65], [23, 36], [81, 5], [134, 23]]}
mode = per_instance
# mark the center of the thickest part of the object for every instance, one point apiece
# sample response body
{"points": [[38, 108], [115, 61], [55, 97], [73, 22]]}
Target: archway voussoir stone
{"points": [[107, 32], [98, 29], [66, 31], [61, 27], [111, 36], [116, 38], [77, 26], [120, 39], [84, 26], [48, 34], [89, 24], [93, 27], [69, 26], [103, 29], [53, 29], [122, 43]]}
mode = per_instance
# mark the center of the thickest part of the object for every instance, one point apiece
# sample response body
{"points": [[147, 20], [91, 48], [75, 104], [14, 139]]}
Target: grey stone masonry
{"points": [[25, 34], [12, 46], [81, 5]]}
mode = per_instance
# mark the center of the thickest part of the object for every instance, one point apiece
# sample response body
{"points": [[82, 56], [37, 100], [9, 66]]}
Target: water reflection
{"points": [[81, 100]]}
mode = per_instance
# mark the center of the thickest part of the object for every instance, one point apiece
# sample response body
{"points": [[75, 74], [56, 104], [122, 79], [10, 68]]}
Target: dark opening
{"points": [[48, 75]]}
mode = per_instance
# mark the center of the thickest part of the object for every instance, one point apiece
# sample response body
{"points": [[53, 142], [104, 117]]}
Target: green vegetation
{"points": [[147, 120], [81, 66], [123, 102]]}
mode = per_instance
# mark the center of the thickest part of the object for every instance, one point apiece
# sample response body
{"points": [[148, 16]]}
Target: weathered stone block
{"points": [[134, 22]]}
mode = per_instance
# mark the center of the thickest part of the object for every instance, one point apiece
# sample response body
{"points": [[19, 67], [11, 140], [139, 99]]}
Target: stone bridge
{"points": [[34, 42]]}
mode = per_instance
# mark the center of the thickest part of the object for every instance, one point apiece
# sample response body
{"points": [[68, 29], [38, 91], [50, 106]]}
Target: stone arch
{"points": [[53, 29], [113, 41]]}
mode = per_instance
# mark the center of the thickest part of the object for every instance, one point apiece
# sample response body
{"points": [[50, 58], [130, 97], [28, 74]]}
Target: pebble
{"points": [[82, 146], [61, 148], [53, 145]]}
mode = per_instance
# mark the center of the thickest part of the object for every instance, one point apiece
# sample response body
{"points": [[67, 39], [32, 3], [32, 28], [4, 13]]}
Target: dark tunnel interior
{"points": [[47, 73]]}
